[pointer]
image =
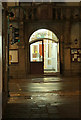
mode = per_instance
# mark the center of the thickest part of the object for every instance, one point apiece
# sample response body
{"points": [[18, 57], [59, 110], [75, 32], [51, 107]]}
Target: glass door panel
{"points": [[47, 54], [36, 52], [50, 55], [36, 58]]}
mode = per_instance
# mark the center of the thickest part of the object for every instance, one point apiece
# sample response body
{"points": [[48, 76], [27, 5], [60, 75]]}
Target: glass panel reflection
{"points": [[36, 51], [50, 55]]}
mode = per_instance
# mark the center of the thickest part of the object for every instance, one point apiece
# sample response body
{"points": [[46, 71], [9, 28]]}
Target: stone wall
{"points": [[4, 58], [19, 70], [75, 34], [32, 27], [66, 26]]}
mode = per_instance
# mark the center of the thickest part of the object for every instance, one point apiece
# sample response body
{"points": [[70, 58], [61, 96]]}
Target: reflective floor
{"points": [[43, 97]]}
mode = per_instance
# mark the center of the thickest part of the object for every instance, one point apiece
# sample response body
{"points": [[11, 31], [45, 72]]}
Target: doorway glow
{"points": [[43, 34], [44, 47]]}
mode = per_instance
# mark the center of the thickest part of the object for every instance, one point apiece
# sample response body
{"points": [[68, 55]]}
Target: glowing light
{"points": [[43, 33]]}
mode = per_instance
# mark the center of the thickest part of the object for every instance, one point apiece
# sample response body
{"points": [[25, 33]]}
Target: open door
{"points": [[50, 56], [36, 58], [44, 52]]}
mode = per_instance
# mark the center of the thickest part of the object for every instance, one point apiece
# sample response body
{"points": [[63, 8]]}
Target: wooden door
{"points": [[37, 58]]}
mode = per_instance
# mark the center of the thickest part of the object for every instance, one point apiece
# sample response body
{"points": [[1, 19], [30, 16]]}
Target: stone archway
{"points": [[31, 27], [46, 43]]}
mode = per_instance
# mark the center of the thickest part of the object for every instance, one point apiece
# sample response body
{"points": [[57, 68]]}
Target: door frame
{"points": [[41, 62], [42, 39]]}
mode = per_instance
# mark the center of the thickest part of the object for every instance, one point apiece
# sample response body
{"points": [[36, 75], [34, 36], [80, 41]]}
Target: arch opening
{"points": [[44, 52], [43, 34]]}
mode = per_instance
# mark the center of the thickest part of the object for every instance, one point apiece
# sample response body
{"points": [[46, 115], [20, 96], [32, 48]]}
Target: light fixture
{"points": [[11, 14], [76, 41]]}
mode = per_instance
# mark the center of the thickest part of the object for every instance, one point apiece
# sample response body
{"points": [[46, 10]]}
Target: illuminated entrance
{"points": [[44, 52]]}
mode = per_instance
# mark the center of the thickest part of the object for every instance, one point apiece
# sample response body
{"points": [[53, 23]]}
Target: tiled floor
{"points": [[43, 97]]}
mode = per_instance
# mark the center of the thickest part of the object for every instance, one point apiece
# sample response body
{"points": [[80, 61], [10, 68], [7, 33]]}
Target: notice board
{"points": [[75, 54]]}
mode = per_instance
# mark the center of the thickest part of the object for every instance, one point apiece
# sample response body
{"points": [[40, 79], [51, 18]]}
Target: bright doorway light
{"points": [[48, 53]]}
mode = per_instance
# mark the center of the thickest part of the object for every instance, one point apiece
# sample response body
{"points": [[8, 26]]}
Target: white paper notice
{"points": [[79, 59], [75, 56], [72, 59]]}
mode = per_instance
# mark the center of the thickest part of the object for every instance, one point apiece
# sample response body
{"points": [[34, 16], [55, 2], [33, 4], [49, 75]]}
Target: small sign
{"points": [[76, 54], [79, 59]]}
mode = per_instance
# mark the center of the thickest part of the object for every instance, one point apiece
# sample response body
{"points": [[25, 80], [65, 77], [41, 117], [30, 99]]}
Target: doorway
{"points": [[50, 56], [44, 52]]}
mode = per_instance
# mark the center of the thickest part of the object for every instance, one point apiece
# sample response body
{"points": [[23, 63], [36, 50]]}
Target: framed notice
{"points": [[75, 54], [13, 56]]}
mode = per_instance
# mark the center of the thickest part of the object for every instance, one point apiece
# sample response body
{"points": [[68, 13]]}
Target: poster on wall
{"points": [[75, 54], [13, 56]]}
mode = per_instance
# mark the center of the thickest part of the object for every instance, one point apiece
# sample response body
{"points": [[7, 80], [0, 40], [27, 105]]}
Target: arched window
{"points": [[43, 34]]}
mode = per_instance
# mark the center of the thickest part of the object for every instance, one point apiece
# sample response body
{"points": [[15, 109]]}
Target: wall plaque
{"points": [[75, 54], [13, 56]]}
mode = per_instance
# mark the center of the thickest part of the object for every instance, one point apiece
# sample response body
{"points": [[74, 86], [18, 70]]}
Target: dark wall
{"points": [[64, 21]]}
